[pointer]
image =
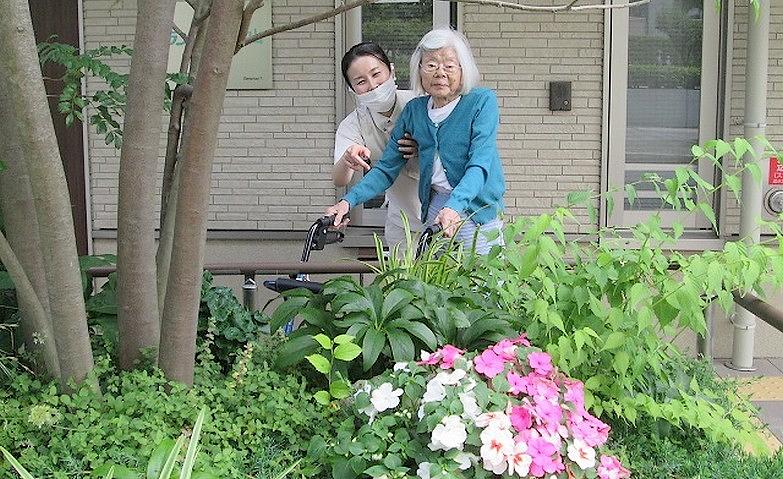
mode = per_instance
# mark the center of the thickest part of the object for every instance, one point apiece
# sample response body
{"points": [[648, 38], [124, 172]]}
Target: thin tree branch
{"points": [[571, 6], [247, 15], [307, 21], [179, 32], [181, 94]]}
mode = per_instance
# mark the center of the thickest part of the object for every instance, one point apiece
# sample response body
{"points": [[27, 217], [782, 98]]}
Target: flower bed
{"points": [[506, 411]]}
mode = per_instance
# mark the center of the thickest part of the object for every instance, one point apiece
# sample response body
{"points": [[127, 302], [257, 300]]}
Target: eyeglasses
{"points": [[431, 67]]}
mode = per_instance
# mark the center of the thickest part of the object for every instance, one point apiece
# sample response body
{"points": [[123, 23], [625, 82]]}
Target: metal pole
{"points": [[249, 288], [755, 125], [704, 344]]}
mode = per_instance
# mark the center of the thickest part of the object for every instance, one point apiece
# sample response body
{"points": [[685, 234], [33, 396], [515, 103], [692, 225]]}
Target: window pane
{"points": [[397, 27], [664, 78]]}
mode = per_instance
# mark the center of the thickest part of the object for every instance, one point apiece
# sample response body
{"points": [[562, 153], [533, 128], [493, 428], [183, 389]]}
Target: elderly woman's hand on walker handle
{"points": [[449, 220], [340, 210]]}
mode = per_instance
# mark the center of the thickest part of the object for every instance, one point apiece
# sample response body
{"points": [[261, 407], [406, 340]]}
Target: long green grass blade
{"points": [[190, 456], [168, 467], [288, 470], [15, 464]]}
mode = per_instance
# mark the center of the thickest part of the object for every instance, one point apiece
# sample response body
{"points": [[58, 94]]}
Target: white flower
{"points": [[424, 470], [496, 419], [518, 461], [582, 454], [464, 460], [470, 407], [450, 379], [435, 391], [496, 444], [385, 397], [401, 367], [450, 433], [420, 412], [470, 384], [369, 410], [425, 355]]}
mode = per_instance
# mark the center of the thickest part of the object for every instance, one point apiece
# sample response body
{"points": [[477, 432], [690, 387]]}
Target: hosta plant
{"points": [[503, 412]]}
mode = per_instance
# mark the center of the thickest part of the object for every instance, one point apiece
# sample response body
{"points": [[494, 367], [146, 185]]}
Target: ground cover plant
{"points": [[258, 421]]}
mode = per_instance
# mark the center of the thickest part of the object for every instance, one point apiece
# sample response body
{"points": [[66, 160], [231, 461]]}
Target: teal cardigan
{"points": [[467, 143]]}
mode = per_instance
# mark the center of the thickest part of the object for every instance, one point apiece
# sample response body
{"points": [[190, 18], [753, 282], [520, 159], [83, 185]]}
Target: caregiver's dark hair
{"points": [[359, 50]]}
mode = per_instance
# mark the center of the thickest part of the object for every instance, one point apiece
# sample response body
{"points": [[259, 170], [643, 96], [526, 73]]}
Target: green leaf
{"points": [[18, 467], [324, 341], [320, 363], [343, 338], [394, 301], [286, 312], [420, 330], [709, 213], [190, 454], [578, 197], [294, 350], [630, 192], [401, 346], [347, 351], [322, 397], [735, 185], [168, 466], [158, 458], [340, 389], [372, 345], [621, 362], [614, 341]]}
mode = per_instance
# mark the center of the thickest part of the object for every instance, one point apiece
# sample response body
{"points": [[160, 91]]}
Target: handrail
{"points": [[765, 311], [268, 267]]}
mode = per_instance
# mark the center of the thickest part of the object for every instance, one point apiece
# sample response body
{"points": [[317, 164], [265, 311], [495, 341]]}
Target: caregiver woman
{"points": [[455, 124], [364, 133]]}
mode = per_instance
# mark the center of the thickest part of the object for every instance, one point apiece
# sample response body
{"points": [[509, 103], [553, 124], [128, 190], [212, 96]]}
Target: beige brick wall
{"points": [[274, 151], [774, 88], [545, 154]]}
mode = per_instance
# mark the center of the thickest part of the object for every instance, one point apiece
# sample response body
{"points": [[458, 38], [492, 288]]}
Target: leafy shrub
{"points": [[259, 420], [392, 319], [664, 76], [227, 320], [603, 312]]}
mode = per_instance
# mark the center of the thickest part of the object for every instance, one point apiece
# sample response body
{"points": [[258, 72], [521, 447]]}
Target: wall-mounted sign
{"points": [[252, 66], [775, 171]]}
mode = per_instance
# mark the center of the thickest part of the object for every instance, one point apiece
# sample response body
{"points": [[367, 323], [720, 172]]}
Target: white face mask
{"points": [[382, 98]]}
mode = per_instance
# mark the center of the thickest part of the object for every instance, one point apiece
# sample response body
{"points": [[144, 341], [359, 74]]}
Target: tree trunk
{"points": [[137, 296], [18, 211], [20, 70], [180, 312], [34, 318]]}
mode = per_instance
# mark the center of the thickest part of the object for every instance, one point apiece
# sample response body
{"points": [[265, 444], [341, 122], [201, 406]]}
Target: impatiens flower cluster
{"points": [[506, 410]]}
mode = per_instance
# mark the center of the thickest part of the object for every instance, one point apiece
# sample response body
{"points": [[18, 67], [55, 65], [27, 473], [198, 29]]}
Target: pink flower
{"points": [[549, 414], [489, 363], [588, 428], [541, 363], [541, 388], [521, 418], [545, 461], [505, 349], [450, 354], [575, 393], [611, 468], [517, 384], [521, 339], [429, 359]]}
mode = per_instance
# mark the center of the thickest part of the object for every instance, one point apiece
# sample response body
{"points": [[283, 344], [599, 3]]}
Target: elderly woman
{"points": [[455, 123]]}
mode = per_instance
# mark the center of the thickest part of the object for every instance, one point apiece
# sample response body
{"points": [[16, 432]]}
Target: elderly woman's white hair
{"points": [[445, 38]]}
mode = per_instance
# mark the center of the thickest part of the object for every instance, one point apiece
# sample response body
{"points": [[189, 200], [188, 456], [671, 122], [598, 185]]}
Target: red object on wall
{"points": [[775, 171]]}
